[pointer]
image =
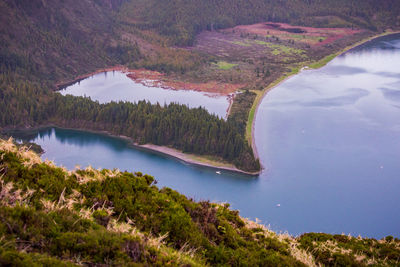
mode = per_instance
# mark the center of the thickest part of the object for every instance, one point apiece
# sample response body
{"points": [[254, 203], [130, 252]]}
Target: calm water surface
{"points": [[117, 86], [329, 138]]}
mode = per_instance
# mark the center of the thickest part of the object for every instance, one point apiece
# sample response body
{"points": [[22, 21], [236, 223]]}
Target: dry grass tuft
{"points": [[331, 246], [90, 174], [8, 145], [29, 158], [157, 242], [11, 197], [300, 254]]}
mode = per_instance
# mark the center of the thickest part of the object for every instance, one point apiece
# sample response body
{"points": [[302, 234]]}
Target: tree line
{"points": [[26, 104]]}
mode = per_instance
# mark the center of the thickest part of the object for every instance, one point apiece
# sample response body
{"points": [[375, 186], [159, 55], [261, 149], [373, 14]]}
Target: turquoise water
{"points": [[329, 139], [117, 86]]}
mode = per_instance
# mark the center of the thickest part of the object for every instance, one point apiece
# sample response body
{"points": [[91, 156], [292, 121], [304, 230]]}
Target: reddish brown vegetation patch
{"points": [[309, 35], [157, 79]]}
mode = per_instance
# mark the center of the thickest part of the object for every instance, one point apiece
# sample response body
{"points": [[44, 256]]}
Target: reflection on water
{"points": [[117, 86], [329, 138], [334, 133]]}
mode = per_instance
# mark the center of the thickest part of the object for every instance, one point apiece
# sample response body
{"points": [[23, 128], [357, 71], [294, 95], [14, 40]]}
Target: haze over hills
{"points": [[243, 44]]}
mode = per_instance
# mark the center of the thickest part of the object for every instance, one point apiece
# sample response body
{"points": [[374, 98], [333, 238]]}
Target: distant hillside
{"points": [[50, 216], [181, 20], [55, 40]]}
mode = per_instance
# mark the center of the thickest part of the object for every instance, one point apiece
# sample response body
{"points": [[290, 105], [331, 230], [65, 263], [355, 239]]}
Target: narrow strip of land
{"points": [[198, 160], [194, 159]]}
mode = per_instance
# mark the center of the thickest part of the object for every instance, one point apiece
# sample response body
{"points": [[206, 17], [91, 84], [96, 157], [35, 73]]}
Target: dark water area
{"points": [[329, 139], [117, 86]]}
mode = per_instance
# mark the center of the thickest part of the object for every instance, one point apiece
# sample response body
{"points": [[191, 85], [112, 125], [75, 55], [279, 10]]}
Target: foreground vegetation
{"points": [[51, 216]]}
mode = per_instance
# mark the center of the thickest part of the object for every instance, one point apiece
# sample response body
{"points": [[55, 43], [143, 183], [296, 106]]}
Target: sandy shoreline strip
{"points": [[194, 159], [167, 151]]}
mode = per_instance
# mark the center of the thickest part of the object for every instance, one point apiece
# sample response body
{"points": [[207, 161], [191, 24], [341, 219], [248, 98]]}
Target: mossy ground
{"points": [[223, 65]]}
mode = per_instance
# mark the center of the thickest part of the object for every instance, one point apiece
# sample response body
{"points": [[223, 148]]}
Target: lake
{"points": [[117, 86], [329, 140]]}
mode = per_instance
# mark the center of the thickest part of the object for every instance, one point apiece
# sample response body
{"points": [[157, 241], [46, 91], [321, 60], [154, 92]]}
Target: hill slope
{"points": [[54, 40], [182, 20], [52, 216]]}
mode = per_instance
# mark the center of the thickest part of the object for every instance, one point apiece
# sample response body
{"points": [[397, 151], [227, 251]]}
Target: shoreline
{"points": [[64, 84], [152, 78], [315, 65], [192, 159], [137, 76], [250, 128]]}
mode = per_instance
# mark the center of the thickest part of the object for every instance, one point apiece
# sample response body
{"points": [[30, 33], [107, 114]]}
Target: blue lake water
{"points": [[329, 139], [117, 86]]}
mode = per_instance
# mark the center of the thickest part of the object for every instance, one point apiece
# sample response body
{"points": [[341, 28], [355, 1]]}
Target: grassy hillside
{"points": [[52, 216]]}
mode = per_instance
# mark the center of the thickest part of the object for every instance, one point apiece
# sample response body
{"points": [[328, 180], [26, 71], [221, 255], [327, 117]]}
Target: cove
{"points": [[117, 86], [329, 139]]}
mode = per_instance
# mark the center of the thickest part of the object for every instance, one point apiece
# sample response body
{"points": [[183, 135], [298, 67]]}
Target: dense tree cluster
{"points": [[59, 40], [190, 130], [240, 110]]}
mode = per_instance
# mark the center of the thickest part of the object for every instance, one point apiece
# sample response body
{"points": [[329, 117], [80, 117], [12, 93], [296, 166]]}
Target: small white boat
{"points": [[278, 205], [218, 172]]}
